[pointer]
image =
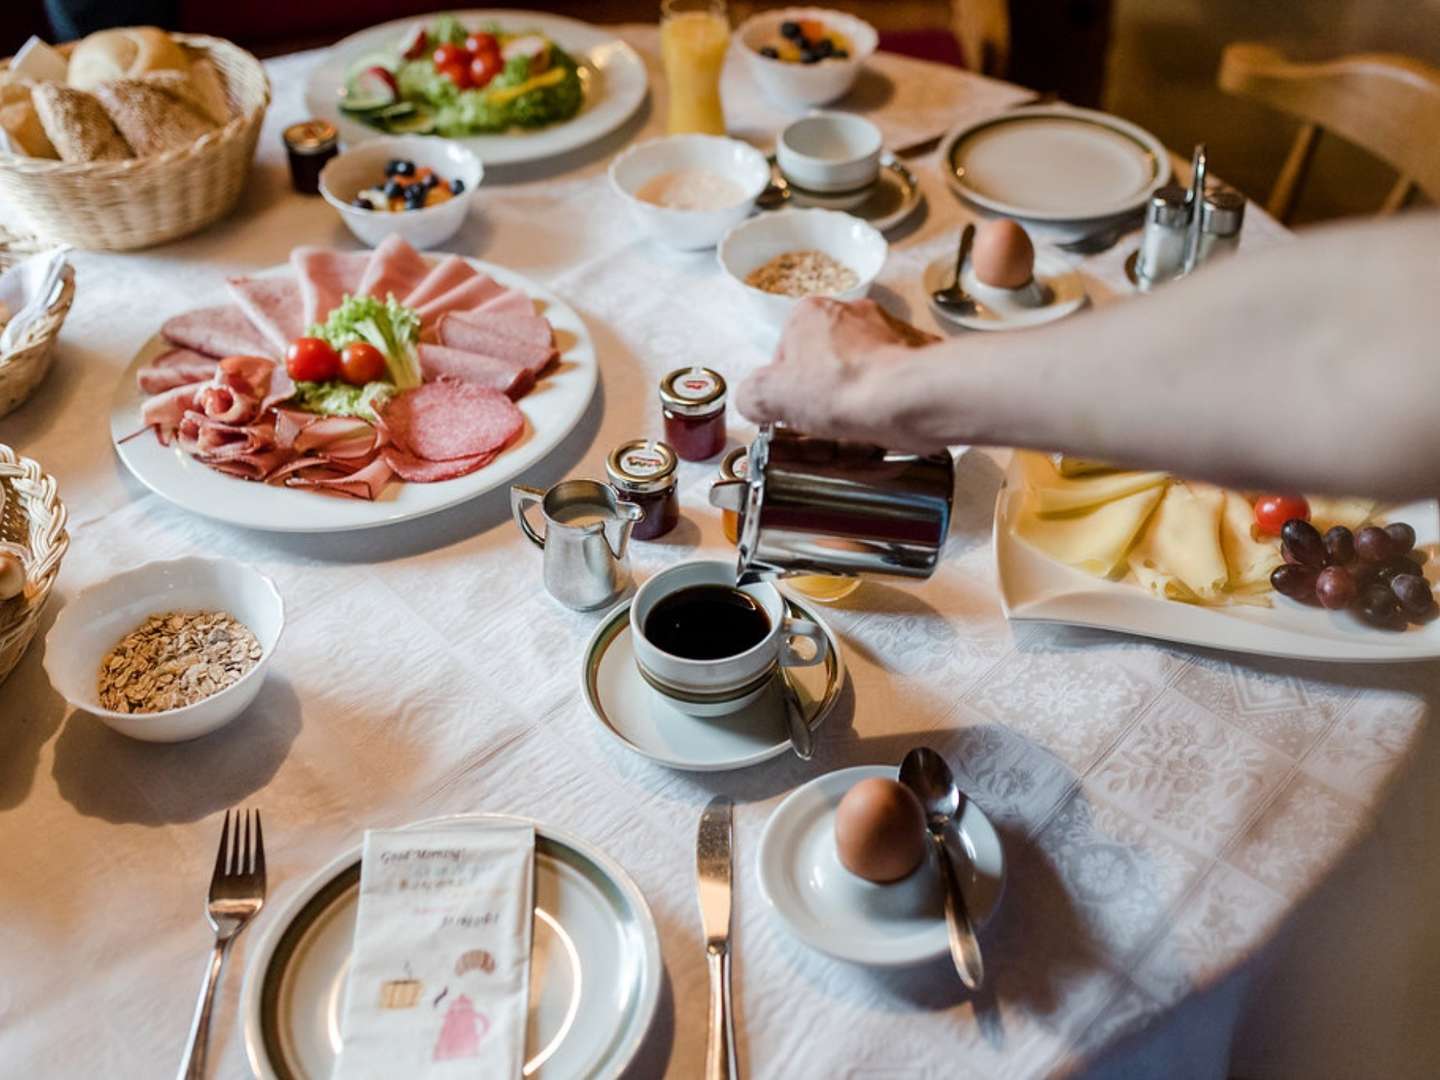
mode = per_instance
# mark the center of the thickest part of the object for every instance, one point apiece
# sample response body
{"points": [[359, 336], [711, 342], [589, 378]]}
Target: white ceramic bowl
{"points": [[689, 230], [91, 623], [805, 85], [848, 240], [830, 152], [349, 173]]}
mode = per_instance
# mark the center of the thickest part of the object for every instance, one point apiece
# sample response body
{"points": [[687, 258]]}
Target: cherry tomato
{"points": [[450, 54], [480, 42], [457, 73], [311, 359], [1272, 511], [485, 67], [361, 363]]}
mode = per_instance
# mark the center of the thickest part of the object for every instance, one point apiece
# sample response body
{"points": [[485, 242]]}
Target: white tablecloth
{"points": [[1162, 809]]}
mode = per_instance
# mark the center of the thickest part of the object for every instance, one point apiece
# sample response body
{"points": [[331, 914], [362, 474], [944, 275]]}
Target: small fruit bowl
{"points": [[802, 85], [91, 624], [363, 167]]}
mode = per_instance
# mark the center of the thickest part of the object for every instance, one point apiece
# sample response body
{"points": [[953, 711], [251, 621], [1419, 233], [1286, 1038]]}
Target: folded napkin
{"points": [[440, 974], [27, 290]]}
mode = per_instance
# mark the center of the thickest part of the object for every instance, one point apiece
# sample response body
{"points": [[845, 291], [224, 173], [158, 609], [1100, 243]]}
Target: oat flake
{"points": [[176, 659]]}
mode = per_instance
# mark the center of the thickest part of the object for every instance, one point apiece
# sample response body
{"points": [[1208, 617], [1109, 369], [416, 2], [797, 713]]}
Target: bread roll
{"points": [[17, 117], [78, 125], [209, 90], [126, 53], [150, 116]]}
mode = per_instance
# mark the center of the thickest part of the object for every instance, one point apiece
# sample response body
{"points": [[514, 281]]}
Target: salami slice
{"points": [[446, 421], [419, 471]]}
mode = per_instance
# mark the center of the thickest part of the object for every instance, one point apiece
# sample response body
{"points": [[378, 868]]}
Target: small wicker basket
{"points": [[32, 519], [23, 367], [137, 202]]}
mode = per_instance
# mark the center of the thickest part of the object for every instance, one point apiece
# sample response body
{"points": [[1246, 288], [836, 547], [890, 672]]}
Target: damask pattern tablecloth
{"points": [[1162, 809]]}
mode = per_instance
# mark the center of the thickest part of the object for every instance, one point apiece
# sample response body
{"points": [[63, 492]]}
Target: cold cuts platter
{"points": [[438, 444]]}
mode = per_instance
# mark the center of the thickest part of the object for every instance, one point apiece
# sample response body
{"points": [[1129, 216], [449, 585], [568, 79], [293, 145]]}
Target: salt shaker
{"points": [[1162, 244], [1221, 216]]}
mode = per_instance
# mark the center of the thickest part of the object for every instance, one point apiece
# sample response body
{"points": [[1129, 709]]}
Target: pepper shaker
{"points": [[1162, 244], [1221, 216]]}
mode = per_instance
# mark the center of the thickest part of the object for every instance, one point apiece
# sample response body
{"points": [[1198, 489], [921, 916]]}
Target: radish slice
{"points": [[373, 88]]}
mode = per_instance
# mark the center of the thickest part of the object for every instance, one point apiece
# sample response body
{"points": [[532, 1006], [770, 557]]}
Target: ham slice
{"points": [[338, 437], [175, 368], [512, 379], [362, 483], [164, 411], [468, 294], [446, 274], [395, 269], [250, 466], [446, 421], [510, 302], [273, 305], [419, 471], [325, 277], [218, 331], [523, 340], [181, 357]]}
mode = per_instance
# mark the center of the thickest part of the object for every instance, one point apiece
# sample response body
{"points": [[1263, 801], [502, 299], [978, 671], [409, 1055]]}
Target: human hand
{"points": [[830, 370]]}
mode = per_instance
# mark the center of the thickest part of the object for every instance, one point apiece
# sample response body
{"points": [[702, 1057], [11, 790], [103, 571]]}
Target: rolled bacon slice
{"points": [[510, 378]]}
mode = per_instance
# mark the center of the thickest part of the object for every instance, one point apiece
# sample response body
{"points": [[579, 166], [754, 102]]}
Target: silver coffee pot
{"points": [[823, 506]]}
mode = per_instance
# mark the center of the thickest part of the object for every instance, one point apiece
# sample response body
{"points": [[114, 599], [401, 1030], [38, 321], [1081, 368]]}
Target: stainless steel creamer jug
{"points": [[587, 530], [823, 506]]}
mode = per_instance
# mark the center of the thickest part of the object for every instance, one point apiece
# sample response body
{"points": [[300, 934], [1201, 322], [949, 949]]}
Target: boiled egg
{"points": [[880, 830], [1003, 256]]}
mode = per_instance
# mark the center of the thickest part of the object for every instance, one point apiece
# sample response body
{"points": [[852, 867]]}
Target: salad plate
{"points": [[1036, 588], [551, 412], [595, 967], [612, 77]]}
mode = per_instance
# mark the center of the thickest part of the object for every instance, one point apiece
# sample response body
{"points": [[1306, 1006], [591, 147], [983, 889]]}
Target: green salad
{"points": [[448, 80], [387, 325]]}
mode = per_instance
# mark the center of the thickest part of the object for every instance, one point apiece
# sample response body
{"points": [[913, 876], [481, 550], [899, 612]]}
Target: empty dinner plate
{"points": [[643, 721], [1055, 164], [830, 909], [594, 966]]}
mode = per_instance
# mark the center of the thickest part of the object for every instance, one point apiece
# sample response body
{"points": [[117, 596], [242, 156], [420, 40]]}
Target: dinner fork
{"points": [[237, 892]]}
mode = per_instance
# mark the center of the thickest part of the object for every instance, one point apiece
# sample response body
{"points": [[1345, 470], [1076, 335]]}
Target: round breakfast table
{"points": [[1164, 810]]}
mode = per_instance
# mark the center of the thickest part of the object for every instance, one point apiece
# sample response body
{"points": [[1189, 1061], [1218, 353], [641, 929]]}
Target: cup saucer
{"points": [[642, 720], [832, 910], [887, 202], [1057, 290]]}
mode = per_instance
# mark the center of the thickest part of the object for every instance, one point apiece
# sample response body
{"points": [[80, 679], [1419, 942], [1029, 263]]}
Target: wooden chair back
{"points": [[1387, 104]]}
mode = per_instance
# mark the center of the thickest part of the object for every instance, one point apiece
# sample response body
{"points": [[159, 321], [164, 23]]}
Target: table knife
{"points": [[713, 870]]}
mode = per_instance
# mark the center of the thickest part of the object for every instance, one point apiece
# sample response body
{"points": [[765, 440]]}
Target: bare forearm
{"points": [[1312, 366]]}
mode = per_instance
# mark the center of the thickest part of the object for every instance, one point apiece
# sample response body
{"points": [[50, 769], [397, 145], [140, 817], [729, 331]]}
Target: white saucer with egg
{"points": [[1056, 289], [830, 909]]}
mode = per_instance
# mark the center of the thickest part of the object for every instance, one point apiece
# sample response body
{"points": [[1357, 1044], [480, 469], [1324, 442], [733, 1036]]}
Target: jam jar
{"points": [[310, 144], [733, 467], [642, 471], [693, 402]]}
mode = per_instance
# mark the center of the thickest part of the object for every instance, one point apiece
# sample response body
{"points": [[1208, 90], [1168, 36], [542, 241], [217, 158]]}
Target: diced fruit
{"points": [[1372, 544], [311, 359], [360, 363], [1335, 588], [1272, 511], [1304, 542], [812, 29], [1340, 545], [770, 52]]}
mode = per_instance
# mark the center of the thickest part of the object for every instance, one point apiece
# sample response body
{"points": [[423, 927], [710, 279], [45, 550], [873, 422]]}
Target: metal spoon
{"points": [[955, 300], [925, 773], [802, 739]]}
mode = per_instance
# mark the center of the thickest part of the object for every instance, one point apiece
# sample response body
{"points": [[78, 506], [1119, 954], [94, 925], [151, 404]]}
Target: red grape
{"points": [[1304, 542], [1372, 544], [1340, 545], [1335, 588], [1295, 581], [1413, 592], [1402, 537], [1379, 607]]}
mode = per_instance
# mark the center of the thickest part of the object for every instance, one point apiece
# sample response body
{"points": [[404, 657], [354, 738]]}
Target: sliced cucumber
{"points": [[354, 103], [417, 122]]}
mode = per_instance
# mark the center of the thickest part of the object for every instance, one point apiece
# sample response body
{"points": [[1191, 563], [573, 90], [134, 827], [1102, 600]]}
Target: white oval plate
{"points": [[1054, 164], [642, 721], [594, 966], [616, 83], [551, 411], [999, 312], [830, 909], [1036, 588]]}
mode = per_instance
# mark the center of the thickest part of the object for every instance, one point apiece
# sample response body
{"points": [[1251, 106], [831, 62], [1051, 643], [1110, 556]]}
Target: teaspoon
{"points": [[955, 300]]}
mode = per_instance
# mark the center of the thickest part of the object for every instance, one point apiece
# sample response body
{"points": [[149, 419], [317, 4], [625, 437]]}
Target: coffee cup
{"points": [[710, 647], [830, 153]]}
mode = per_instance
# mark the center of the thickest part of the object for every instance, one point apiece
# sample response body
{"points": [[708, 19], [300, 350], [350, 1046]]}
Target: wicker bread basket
{"points": [[23, 367], [138, 202], [32, 519]]}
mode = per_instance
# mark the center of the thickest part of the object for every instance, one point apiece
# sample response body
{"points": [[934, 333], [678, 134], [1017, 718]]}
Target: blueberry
{"points": [[361, 201], [770, 52], [824, 47], [791, 30], [810, 56], [457, 186], [430, 181], [394, 188], [392, 167], [404, 168]]}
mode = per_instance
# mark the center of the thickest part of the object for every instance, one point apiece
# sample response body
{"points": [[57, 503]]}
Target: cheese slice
{"points": [[1075, 466], [1330, 510], [1179, 556], [1093, 540], [1250, 560], [1050, 493]]}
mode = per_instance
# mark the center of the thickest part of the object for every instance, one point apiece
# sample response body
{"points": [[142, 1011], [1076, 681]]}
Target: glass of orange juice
{"points": [[694, 35]]}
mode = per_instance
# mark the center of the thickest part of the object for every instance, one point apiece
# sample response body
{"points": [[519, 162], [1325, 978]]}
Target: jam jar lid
{"points": [[693, 391], [311, 136], [642, 465], [736, 464]]}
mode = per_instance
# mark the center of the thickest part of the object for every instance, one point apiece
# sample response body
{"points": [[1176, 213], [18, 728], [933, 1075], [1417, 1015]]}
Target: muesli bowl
{"points": [[93, 622]]}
